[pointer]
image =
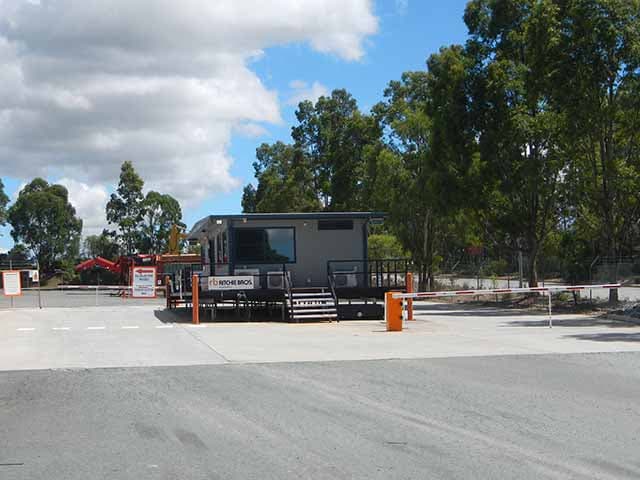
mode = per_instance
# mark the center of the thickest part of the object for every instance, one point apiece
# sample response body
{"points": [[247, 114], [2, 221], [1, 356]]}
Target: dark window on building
{"points": [[265, 245], [335, 224]]}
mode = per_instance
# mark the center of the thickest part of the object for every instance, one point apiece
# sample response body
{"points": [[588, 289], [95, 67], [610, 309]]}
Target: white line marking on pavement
{"points": [[25, 329], [196, 326], [129, 327], [164, 326], [60, 328], [96, 328]]}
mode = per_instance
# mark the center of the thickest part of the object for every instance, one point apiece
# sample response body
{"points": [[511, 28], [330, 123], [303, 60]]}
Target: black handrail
{"points": [[333, 294]]}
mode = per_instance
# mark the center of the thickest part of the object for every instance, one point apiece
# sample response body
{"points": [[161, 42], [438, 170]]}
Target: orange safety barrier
{"points": [[393, 312], [195, 300]]}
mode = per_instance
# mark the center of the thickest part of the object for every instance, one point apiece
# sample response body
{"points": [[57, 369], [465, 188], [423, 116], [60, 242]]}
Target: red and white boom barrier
{"points": [[495, 291], [392, 310]]}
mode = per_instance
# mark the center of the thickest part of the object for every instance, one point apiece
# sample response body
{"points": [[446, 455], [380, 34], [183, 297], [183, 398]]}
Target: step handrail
{"points": [[333, 293]]}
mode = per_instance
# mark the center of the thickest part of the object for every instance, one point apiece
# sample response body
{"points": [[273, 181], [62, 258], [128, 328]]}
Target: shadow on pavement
{"points": [[571, 322], [607, 337]]}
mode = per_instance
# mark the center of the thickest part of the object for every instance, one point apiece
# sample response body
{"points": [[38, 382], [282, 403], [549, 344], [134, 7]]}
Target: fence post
{"points": [[195, 300], [410, 300], [393, 312]]}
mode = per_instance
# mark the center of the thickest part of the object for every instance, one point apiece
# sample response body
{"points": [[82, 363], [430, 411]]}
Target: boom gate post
{"points": [[393, 312], [195, 300], [410, 300]]}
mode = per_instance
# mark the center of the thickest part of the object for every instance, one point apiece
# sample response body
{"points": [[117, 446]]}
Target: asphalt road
{"points": [[525, 417]]}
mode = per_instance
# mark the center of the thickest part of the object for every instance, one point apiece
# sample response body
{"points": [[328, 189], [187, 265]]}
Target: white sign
{"points": [[143, 282], [34, 275], [232, 283], [11, 283]]}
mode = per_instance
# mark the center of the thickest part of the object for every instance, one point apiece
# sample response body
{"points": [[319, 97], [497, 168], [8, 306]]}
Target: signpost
{"points": [[232, 283], [143, 281]]}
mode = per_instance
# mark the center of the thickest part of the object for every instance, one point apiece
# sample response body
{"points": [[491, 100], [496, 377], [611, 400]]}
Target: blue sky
{"points": [[408, 32]]}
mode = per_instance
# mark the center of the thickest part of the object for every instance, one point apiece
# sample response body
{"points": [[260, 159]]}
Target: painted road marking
{"points": [[129, 327], [96, 328], [164, 326], [196, 326], [60, 328], [25, 329]]}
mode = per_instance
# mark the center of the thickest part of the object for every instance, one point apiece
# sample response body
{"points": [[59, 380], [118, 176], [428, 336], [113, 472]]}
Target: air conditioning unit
{"points": [[275, 280], [346, 279]]}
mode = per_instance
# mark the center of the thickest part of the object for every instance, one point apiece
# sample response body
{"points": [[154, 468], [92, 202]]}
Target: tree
{"points": [[285, 181], [429, 156], [159, 213], [600, 95], [125, 208], [384, 245], [515, 45], [249, 201], [4, 200], [102, 245], [44, 220], [337, 140]]}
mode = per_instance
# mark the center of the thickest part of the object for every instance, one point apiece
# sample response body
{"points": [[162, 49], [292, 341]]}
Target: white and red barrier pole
{"points": [[548, 290]]}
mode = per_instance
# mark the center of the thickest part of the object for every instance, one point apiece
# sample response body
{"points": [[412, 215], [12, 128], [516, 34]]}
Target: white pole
{"points": [[550, 317]]}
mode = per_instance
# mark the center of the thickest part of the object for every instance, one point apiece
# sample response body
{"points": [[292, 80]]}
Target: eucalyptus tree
{"points": [[599, 91], [515, 45]]}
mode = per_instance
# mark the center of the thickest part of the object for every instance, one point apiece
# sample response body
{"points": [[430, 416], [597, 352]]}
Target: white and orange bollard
{"points": [[393, 312]]}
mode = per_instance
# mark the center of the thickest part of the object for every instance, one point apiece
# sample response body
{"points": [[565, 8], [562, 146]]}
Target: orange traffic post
{"points": [[195, 300], [393, 312], [409, 300]]}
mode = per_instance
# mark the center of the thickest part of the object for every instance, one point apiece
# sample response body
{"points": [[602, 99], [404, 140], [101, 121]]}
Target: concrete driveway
{"points": [[149, 336]]}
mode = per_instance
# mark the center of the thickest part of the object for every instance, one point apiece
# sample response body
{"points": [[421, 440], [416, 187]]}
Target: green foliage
{"points": [[159, 213], [426, 167], [385, 245], [285, 181], [43, 219], [515, 46], [328, 166], [125, 209], [103, 245], [4, 200]]}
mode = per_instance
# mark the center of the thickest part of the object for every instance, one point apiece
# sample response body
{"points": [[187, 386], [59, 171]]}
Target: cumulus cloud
{"points": [[301, 91], [85, 85], [89, 202]]}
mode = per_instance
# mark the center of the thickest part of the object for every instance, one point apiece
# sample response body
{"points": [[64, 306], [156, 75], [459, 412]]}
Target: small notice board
{"points": [[11, 283], [143, 281]]}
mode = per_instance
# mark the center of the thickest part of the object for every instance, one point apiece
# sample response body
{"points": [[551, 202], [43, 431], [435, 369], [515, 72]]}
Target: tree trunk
{"points": [[533, 268]]}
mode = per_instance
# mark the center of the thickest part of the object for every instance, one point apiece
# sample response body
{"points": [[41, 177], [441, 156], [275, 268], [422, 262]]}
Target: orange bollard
{"points": [[195, 300], [393, 312], [409, 300]]}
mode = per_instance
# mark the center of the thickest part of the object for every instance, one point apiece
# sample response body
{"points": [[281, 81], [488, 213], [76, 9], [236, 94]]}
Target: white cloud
{"points": [[301, 91], [85, 85], [90, 202]]}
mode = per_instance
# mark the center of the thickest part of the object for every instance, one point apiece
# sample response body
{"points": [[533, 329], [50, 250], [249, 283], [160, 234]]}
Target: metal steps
{"points": [[312, 304]]}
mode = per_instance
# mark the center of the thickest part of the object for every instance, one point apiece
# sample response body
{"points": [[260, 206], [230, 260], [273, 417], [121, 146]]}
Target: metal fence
{"points": [[78, 296], [484, 272]]}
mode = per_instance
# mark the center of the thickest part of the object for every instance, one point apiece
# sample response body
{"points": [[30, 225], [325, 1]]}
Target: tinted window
{"points": [[265, 245]]}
